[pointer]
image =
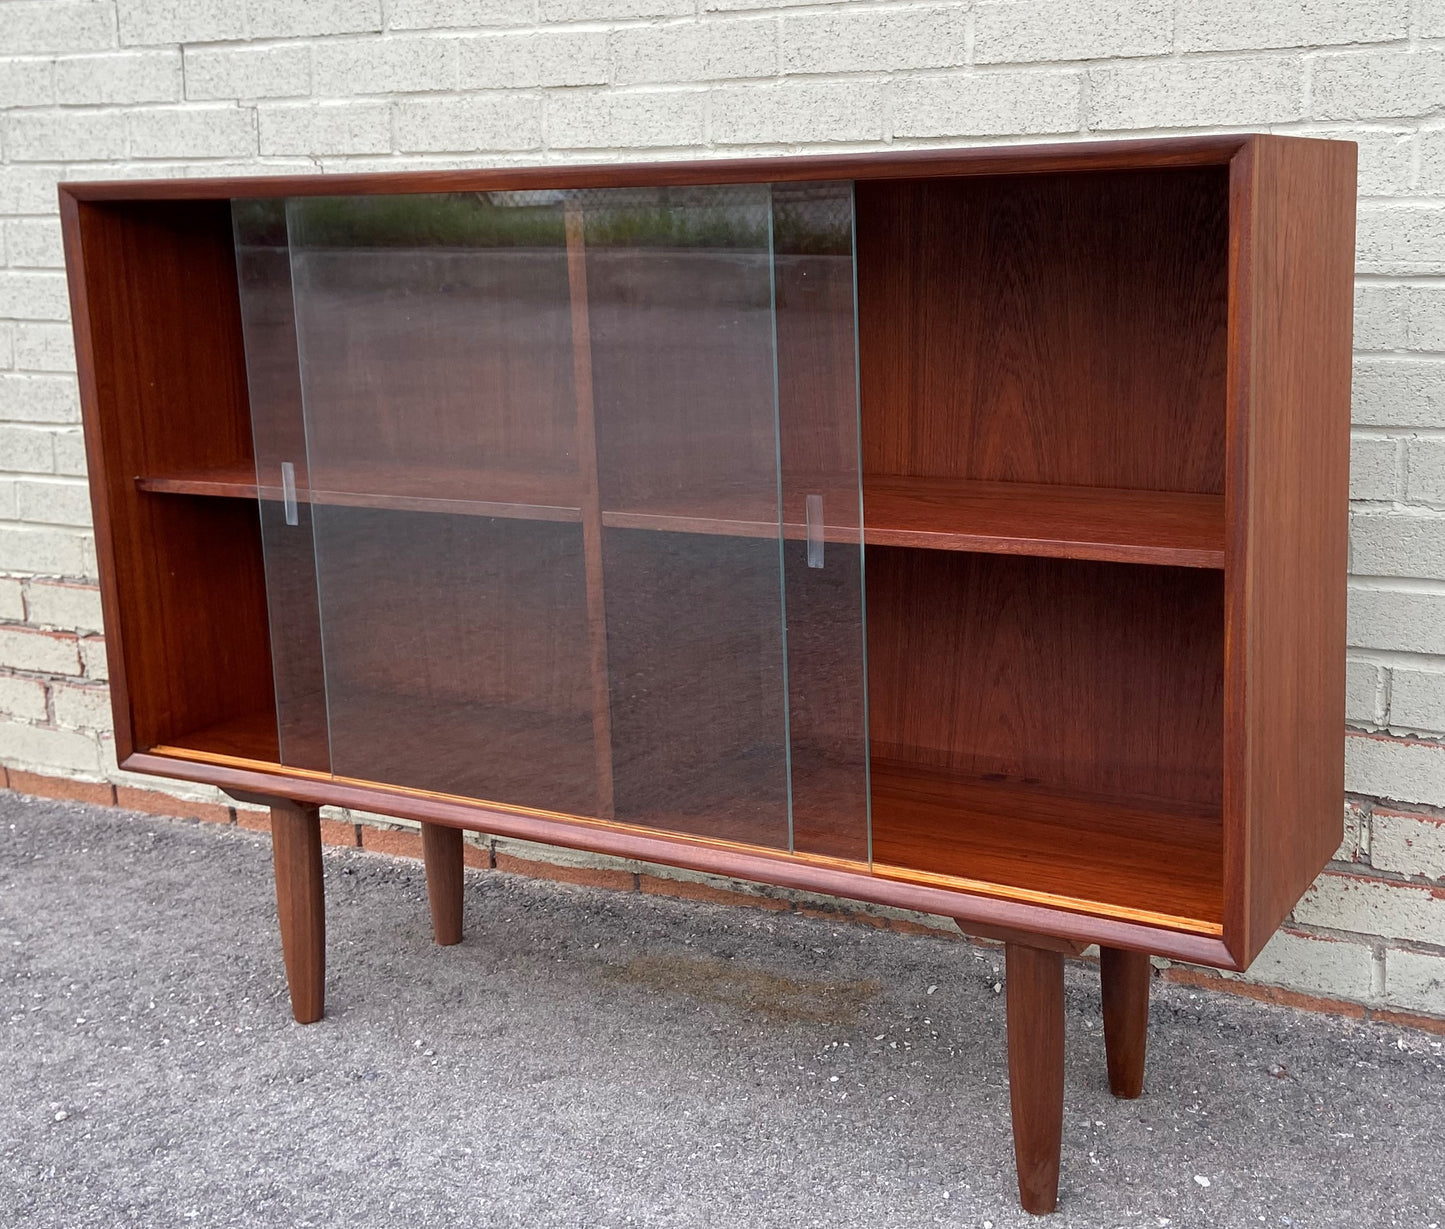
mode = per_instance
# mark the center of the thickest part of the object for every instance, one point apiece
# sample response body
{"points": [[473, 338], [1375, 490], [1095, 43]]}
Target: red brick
{"points": [[1408, 1019], [100, 792], [4, 777], [394, 842], [153, 802], [333, 831], [1263, 994], [254, 821], [584, 876], [478, 857], [690, 889]]}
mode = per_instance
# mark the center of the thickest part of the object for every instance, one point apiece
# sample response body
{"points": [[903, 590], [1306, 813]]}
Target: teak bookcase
{"points": [[961, 531]]}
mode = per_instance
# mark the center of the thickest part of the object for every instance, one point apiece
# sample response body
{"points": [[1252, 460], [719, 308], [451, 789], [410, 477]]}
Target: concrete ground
{"points": [[588, 1058]]}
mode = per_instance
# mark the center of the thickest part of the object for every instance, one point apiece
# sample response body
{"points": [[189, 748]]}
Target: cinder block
{"points": [[192, 132], [1401, 769], [92, 657], [694, 51], [611, 10], [578, 119], [1241, 25], [39, 652], [1377, 84], [1383, 618], [121, 77], [59, 502], [65, 136], [1432, 162], [1398, 543], [8, 508], [325, 128], [39, 749], [1367, 906], [1375, 467], [1425, 318], [1415, 980], [404, 64], [81, 708], [41, 26], [1385, 158], [1398, 392], [1417, 700], [1403, 240], [1425, 471], [1030, 30], [279, 71], [38, 398], [853, 39], [44, 347], [26, 449], [1354, 839], [497, 121], [533, 58], [1196, 93], [41, 551], [805, 111], [1407, 844], [287, 19], [23, 698], [7, 344], [34, 243], [29, 189], [987, 104], [465, 14], [69, 451], [66, 606], [12, 599], [152, 22], [1380, 321], [26, 83], [1362, 693], [1315, 964]]}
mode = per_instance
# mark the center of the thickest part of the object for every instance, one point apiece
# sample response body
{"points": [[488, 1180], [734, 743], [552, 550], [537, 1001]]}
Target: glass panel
{"points": [[822, 512], [436, 360], [679, 301], [269, 330]]}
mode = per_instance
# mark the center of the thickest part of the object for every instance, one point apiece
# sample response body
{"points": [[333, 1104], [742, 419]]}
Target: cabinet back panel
{"points": [[1099, 678], [186, 604], [1057, 328]]}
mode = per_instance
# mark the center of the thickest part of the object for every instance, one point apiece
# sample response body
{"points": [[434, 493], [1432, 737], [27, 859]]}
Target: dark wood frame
{"points": [[1290, 271]]}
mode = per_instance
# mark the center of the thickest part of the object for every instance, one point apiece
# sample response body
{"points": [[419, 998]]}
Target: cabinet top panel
{"points": [[986, 160]]}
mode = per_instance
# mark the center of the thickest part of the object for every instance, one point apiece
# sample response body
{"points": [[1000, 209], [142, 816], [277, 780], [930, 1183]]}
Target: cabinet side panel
{"points": [[1295, 522], [166, 393]]}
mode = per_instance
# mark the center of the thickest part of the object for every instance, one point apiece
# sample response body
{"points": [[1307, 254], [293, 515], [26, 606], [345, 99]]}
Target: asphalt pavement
{"points": [[592, 1058]]}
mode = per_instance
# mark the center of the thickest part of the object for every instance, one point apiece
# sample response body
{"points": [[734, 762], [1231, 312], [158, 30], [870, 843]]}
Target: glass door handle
{"points": [[288, 493], [813, 519]]}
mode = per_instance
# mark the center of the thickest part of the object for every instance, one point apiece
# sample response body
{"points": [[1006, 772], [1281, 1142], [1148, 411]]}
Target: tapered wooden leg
{"points": [[1036, 1071], [442, 849], [301, 905], [1125, 977]]}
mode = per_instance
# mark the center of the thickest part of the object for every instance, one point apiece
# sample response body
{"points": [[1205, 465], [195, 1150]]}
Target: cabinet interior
{"points": [[1041, 374]]}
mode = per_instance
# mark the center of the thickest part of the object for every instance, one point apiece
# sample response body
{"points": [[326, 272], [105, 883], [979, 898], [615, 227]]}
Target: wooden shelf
{"points": [[518, 496], [1176, 528], [1061, 522], [1117, 857]]}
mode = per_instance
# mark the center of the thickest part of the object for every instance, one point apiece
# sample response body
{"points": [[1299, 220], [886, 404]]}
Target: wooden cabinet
{"points": [[962, 530]]}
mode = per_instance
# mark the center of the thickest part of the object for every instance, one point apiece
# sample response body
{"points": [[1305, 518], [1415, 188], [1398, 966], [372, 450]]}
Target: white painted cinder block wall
{"points": [[99, 88]]}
